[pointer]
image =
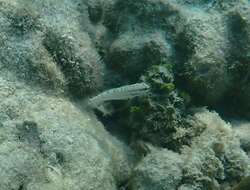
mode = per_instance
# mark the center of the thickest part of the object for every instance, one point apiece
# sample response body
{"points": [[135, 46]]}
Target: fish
{"points": [[120, 93]]}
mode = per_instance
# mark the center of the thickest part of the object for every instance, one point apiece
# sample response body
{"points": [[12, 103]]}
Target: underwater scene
{"points": [[124, 94]]}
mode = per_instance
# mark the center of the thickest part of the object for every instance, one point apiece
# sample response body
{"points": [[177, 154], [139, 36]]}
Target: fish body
{"points": [[121, 93]]}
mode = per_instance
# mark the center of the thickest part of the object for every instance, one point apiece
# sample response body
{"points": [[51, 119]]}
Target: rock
{"points": [[242, 130], [204, 45], [55, 54], [161, 169], [214, 160], [49, 137], [215, 156]]}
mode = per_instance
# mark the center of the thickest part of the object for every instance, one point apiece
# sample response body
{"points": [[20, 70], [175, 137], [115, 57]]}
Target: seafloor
{"points": [[183, 125]]}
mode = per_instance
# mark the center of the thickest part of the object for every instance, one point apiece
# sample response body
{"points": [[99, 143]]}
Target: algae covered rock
{"points": [[130, 49], [161, 169], [65, 61], [206, 42], [214, 160], [239, 28], [220, 138], [49, 141], [55, 54], [215, 157], [160, 117], [242, 129], [46, 140], [203, 43], [77, 60]]}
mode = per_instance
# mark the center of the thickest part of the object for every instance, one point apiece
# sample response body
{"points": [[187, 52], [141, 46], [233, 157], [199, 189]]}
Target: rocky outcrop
{"points": [[55, 54], [47, 142], [215, 160]]}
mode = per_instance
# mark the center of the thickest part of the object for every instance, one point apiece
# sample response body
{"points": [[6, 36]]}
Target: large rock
{"points": [[161, 169], [47, 142], [52, 53], [214, 160], [242, 129]]}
